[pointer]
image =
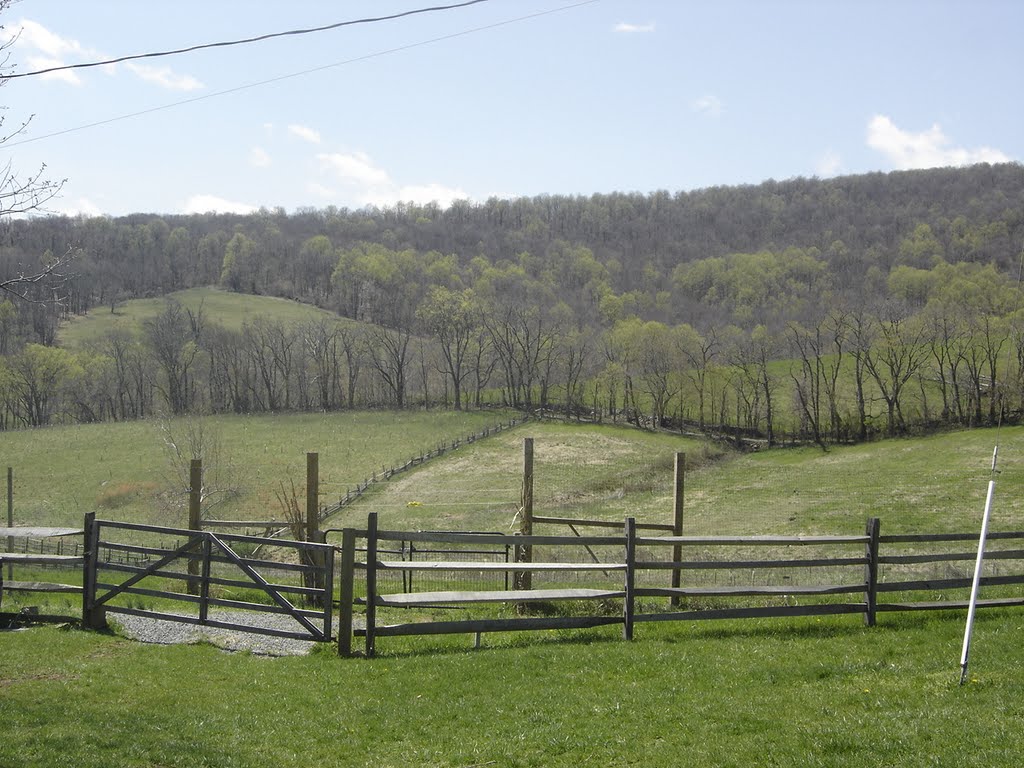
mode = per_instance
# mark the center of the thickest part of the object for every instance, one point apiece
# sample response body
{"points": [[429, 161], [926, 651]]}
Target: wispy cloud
{"points": [[369, 184], [42, 48], [305, 133], [214, 204], [165, 77], [628, 28], [829, 164], [707, 105], [319, 190], [356, 168], [83, 206], [927, 149], [258, 158]]}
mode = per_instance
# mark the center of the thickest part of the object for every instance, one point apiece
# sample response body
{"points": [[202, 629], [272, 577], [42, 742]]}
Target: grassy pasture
{"points": [[812, 692], [121, 470], [932, 484], [828, 693], [225, 307]]}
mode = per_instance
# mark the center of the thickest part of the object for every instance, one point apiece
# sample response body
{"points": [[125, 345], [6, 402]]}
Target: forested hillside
{"points": [[828, 309]]}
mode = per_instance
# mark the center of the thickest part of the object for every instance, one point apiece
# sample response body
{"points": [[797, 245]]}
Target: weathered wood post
{"points": [[347, 591], [871, 572], [92, 617], [677, 521], [315, 579], [524, 552], [204, 589], [195, 523], [630, 579], [371, 584], [10, 517]]}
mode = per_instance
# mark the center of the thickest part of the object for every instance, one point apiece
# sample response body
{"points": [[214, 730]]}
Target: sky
{"points": [[503, 98]]}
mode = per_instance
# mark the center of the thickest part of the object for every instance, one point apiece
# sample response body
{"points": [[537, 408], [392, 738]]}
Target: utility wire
{"points": [[292, 75], [245, 41]]}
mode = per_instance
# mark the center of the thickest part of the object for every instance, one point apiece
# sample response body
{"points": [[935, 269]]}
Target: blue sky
{"points": [[566, 97]]}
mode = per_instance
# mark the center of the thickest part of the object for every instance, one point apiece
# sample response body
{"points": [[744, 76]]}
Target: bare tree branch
{"points": [[21, 195]]}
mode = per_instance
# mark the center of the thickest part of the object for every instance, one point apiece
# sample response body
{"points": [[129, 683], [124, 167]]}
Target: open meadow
{"points": [[821, 691], [228, 308]]}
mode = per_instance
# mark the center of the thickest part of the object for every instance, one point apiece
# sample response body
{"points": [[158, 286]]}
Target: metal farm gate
{"points": [[246, 576]]}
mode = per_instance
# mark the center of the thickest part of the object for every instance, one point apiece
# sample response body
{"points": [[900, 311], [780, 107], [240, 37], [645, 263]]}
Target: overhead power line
{"points": [[245, 41], [247, 86]]}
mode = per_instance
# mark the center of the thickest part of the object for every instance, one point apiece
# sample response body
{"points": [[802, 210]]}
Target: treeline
{"points": [[946, 348], [826, 310], [849, 232]]}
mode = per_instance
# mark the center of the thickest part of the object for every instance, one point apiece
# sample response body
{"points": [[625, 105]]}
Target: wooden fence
{"points": [[221, 560], [820, 575], [47, 556]]}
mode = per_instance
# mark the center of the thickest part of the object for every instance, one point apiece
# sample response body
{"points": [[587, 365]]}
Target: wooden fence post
{"points": [[677, 521], [347, 591], [327, 574], [195, 500], [524, 552], [371, 583], [871, 572], [10, 517], [204, 588], [92, 618], [630, 579], [315, 579]]}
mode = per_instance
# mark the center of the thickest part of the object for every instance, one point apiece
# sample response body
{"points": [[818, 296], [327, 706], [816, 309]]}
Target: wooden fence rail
{"points": [[238, 570], [837, 575]]}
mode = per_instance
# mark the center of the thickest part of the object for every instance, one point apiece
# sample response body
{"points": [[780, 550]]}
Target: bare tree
{"points": [[23, 194]]}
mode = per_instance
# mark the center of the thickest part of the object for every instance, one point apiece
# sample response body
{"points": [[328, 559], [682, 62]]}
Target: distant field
{"points": [[122, 471], [603, 472], [225, 307], [933, 484]]}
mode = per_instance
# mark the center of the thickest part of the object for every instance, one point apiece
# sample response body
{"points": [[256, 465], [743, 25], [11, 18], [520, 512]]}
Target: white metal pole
{"points": [[965, 652]]}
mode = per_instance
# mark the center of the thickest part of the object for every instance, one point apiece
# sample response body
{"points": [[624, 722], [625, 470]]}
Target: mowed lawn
{"points": [[780, 693]]}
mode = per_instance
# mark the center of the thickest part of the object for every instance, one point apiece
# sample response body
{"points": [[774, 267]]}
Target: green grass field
{"points": [[828, 693], [122, 470], [781, 692], [224, 307]]}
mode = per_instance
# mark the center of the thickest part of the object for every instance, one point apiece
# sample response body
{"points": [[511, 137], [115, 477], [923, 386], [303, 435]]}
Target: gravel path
{"points": [[165, 632]]}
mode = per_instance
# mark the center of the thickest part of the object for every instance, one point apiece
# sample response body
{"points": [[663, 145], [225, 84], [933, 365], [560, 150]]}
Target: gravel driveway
{"points": [[165, 632]]}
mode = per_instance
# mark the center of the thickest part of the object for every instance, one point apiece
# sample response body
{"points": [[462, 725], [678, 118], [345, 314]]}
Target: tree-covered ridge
{"points": [[826, 309], [854, 230]]}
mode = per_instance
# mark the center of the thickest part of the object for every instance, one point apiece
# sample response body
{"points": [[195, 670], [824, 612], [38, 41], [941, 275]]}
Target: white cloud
{"points": [[258, 158], [81, 207], [623, 26], [44, 49], [356, 168], [426, 193], [165, 77], [829, 164], [35, 35], [212, 203], [37, 63], [305, 133], [707, 105], [319, 190], [928, 149], [372, 185]]}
